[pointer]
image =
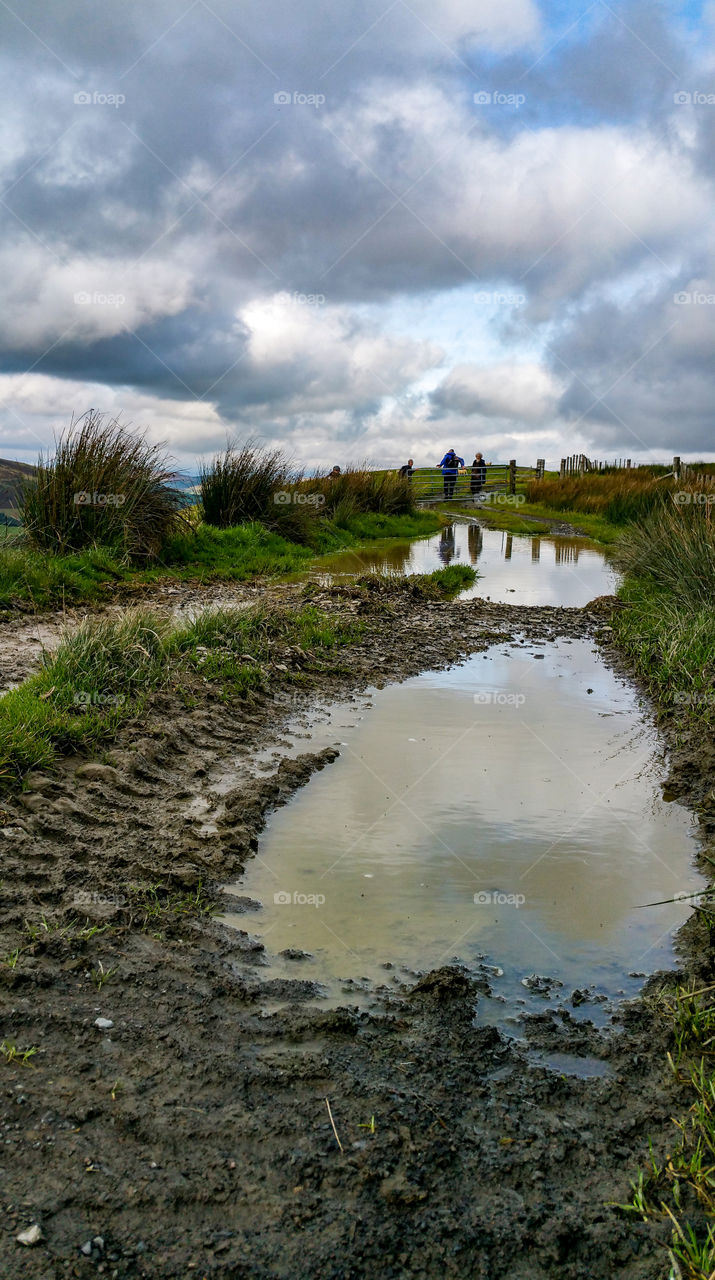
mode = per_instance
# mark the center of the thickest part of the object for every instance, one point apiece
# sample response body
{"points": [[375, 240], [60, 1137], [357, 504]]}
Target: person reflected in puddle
{"points": [[475, 542], [446, 544]]}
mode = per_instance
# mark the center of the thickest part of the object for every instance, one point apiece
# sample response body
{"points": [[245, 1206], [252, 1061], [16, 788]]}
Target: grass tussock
{"points": [[104, 486]]}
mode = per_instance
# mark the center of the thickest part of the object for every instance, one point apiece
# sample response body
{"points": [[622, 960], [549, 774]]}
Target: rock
{"points": [[33, 1235], [104, 1024], [294, 953], [37, 782], [34, 803], [98, 773]]}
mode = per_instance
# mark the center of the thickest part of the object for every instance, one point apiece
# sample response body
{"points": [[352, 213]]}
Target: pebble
{"points": [[104, 1024], [33, 1235], [98, 773]]}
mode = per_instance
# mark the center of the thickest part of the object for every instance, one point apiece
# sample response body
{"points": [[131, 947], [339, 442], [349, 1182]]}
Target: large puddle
{"points": [[512, 569], [506, 813]]}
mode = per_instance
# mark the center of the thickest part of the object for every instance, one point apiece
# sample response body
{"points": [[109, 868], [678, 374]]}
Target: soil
{"points": [[192, 1135]]}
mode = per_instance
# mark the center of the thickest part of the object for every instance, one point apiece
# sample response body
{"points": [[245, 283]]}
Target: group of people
{"points": [[450, 466]]}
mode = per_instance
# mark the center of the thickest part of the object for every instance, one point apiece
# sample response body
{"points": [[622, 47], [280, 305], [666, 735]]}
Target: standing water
{"points": [[506, 813], [511, 569]]}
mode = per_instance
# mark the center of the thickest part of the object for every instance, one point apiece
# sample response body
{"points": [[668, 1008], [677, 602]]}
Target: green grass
{"points": [[682, 1189], [103, 673], [45, 580]]}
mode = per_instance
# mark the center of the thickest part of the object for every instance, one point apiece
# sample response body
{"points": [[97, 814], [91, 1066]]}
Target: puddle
{"points": [[505, 813], [569, 1064], [512, 569]]}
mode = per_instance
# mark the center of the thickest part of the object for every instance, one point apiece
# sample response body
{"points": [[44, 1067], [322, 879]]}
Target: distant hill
{"points": [[12, 475]]}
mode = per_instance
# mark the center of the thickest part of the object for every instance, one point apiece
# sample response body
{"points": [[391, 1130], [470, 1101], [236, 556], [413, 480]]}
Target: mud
{"points": [[192, 1136]]}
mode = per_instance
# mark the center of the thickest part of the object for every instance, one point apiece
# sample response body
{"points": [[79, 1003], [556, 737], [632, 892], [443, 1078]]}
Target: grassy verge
{"points": [[682, 1188], [103, 674], [43, 580]]}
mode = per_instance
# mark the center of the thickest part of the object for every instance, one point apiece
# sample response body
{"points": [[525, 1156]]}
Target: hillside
{"points": [[12, 475]]}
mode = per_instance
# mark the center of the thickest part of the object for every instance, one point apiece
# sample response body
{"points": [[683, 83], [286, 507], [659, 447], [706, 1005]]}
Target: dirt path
{"points": [[191, 1136]]}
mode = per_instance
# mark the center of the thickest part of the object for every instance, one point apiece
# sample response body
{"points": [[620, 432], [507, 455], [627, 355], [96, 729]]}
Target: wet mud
{"points": [[173, 1120]]}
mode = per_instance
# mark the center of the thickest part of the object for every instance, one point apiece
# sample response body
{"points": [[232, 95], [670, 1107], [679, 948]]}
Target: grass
{"points": [[102, 674], [104, 486], [204, 554], [682, 1189]]}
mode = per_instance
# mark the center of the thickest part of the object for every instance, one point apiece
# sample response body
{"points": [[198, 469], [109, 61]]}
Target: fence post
{"points": [[676, 467], [512, 475], [562, 469], [540, 468]]}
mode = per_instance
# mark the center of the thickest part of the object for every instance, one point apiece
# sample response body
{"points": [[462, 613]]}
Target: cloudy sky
{"points": [[361, 230]]}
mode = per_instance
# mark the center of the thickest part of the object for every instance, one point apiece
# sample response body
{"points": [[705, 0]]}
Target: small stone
{"points": [[86, 1248], [104, 1024], [98, 773], [33, 1235]]}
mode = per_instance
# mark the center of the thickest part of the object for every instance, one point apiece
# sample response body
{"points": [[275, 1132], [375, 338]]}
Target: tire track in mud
{"points": [[191, 1136]]}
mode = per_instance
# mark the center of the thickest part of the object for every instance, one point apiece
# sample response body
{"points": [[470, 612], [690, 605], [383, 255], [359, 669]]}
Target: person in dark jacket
{"points": [[406, 471], [450, 465], [478, 477]]}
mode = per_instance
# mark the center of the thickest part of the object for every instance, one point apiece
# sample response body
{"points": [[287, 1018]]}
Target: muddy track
{"points": [[192, 1136]]}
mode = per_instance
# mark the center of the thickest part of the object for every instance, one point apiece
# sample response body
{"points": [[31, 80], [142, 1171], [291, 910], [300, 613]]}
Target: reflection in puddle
{"points": [[506, 813], [512, 569]]}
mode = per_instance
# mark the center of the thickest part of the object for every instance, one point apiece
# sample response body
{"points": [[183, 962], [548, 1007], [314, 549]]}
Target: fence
{"points": [[578, 464], [430, 485]]}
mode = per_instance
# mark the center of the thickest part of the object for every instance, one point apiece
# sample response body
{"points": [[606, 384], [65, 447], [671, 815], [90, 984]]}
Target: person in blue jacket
{"points": [[450, 465]]}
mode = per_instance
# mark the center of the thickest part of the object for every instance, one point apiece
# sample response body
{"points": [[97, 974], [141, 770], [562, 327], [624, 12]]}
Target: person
{"points": [[450, 465], [334, 473], [406, 471], [478, 477]]}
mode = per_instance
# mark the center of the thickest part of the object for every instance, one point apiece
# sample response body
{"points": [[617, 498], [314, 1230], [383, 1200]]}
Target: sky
{"points": [[360, 231]]}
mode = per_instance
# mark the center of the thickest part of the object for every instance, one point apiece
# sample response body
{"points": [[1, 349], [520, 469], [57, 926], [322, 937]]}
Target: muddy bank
{"points": [[191, 1136]]}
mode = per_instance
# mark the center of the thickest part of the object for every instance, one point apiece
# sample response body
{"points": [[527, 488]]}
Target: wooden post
{"points": [[540, 468], [628, 462], [512, 475], [562, 469], [676, 467]]}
